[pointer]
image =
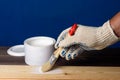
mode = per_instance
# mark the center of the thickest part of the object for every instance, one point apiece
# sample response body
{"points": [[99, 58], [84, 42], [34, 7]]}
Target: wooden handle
{"points": [[57, 52]]}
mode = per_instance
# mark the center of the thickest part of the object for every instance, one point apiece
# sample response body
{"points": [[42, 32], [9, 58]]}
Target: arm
{"points": [[115, 24]]}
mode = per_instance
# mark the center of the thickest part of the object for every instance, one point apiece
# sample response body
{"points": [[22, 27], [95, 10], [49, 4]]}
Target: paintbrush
{"points": [[48, 65]]}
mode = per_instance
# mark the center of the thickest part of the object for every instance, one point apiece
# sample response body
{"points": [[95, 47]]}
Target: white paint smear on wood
{"points": [[37, 70]]}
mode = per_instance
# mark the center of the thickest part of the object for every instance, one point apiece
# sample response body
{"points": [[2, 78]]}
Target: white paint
{"points": [[41, 42], [37, 70]]}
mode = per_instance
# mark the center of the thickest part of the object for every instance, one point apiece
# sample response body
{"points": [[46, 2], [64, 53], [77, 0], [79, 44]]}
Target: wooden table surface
{"points": [[93, 65]]}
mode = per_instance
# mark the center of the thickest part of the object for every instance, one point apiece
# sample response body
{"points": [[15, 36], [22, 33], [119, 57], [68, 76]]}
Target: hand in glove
{"points": [[85, 38]]}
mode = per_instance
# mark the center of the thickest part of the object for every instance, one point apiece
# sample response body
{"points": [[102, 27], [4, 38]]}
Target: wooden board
{"points": [[69, 72], [93, 65]]}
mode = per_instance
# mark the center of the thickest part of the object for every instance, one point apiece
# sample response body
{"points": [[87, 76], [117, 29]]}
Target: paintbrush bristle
{"points": [[46, 67]]}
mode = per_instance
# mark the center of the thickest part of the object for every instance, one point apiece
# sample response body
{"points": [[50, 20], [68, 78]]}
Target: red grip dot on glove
{"points": [[73, 29]]}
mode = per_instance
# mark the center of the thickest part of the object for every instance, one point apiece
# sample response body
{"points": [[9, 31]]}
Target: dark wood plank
{"points": [[105, 57], [6, 59]]}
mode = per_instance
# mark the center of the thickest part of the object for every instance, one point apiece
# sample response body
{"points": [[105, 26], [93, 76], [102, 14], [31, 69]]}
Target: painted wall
{"points": [[21, 19]]}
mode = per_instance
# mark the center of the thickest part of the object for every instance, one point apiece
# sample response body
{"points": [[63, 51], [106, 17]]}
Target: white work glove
{"points": [[85, 38]]}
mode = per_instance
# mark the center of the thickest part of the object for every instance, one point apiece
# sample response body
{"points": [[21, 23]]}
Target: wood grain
{"points": [[93, 65], [69, 72]]}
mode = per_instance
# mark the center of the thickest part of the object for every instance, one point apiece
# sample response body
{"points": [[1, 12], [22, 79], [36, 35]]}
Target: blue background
{"points": [[21, 19]]}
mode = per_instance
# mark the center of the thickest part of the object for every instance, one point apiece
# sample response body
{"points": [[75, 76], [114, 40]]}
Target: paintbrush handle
{"points": [[57, 52]]}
